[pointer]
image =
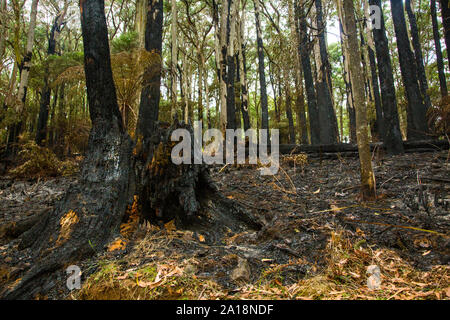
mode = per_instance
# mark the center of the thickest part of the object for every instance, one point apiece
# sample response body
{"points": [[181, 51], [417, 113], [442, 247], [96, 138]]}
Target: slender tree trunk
{"points": [[261, 69], [41, 131], [224, 37], [3, 27], [437, 45], [356, 72], [201, 62], [231, 74], [327, 115], [445, 13], [417, 127], [174, 59], [243, 72], [392, 135], [300, 99], [16, 128], [288, 102], [314, 122], [151, 93], [421, 74]]}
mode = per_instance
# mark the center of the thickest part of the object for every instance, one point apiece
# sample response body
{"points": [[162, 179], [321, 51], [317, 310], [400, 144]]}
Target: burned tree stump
{"points": [[90, 214]]}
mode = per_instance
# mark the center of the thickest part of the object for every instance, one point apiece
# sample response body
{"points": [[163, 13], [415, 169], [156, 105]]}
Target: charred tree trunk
{"points": [[314, 122], [261, 70], [327, 115], [418, 55], [299, 93], [150, 95], [445, 13], [392, 136], [437, 45], [417, 127], [41, 132], [94, 207]]}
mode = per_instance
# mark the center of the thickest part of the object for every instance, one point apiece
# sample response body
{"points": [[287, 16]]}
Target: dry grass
{"points": [[344, 277]]}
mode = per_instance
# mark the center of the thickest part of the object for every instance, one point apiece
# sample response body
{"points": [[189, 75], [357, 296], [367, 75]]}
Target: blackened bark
{"points": [[418, 55], [244, 92], [231, 98], [261, 71], [84, 220], [327, 115], [445, 13], [416, 110], [437, 45], [44, 109], [150, 95], [314, 122], [376, 95], [289, 114], [392, 136]]}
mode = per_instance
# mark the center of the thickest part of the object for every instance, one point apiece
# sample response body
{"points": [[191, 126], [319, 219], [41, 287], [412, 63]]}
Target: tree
{"points": [[356, 73], [418, 55], [417, 127], [261, 69], [174, 60], [300, 99], [445, 12], [314, 122], [327, 115], [25, 72], [392, 136], [437, 46], [58, 22], [150, 95]]}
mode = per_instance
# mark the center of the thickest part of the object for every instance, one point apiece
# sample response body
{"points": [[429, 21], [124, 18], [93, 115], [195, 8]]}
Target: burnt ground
{"points": [[317, 241]]}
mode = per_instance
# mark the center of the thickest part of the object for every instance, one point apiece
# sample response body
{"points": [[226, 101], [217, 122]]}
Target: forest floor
{"points": [[317, 242]]}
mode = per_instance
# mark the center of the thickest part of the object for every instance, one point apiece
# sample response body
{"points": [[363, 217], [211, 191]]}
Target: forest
{"points": [[138, 141]]}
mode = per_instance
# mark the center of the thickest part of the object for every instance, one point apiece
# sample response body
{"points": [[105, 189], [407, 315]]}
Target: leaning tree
{"points": [[115, 169]]}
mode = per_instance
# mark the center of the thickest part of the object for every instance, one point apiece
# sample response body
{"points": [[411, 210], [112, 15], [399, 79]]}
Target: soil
{"points": [[299, 208]]}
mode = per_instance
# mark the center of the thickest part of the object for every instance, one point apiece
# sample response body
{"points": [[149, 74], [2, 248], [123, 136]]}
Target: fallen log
{"points": [[410, 146]]}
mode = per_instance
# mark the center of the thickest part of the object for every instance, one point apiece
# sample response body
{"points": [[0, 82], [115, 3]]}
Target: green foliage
{"points": [[125, 42], [41, 161]]}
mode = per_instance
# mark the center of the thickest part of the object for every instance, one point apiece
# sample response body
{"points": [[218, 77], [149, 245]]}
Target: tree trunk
{"points": [[300, 99], [3, 10], [83, 220], [288, 102], [150, 95], [327, 115], [314, 122], [418, 55], [445, 13], [416, 111], [231, 74], [16, 128], [174, 60], [224, 37], [356, 72], [392, 136], [437, 45], [243, 72], [261, 69], [41, 132]]}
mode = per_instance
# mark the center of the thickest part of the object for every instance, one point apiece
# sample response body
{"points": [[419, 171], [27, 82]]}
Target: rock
{"points": [[242, 271], [190, 269], [374, 281]]}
